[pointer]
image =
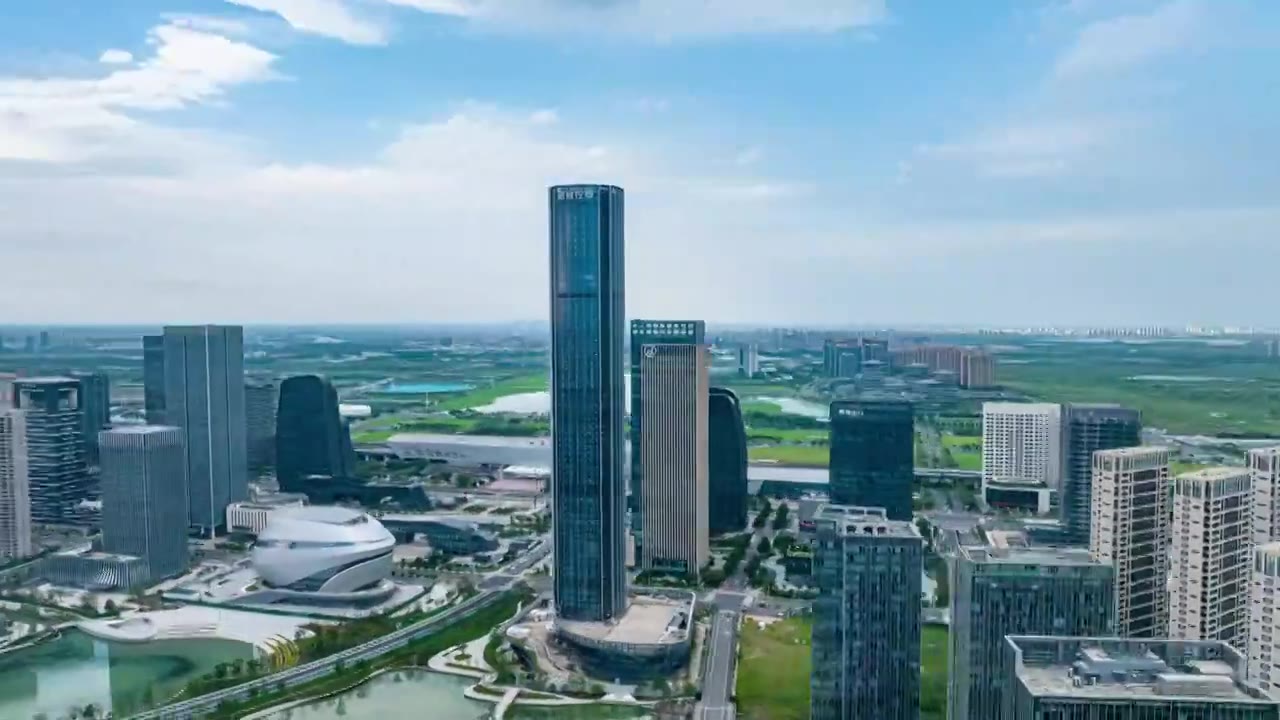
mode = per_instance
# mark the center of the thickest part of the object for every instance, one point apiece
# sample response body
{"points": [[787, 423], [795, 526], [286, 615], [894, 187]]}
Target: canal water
{"points": [[394, 695], [76, 670]]}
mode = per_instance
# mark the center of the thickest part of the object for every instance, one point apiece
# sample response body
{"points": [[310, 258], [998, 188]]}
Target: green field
{"points": [[803, 455], [774, 666], [789, 435], [761, 406], [484, 395]]}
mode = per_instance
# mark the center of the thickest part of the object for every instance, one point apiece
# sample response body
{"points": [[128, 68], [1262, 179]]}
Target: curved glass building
{"points": [[726, 462], [311, 438], [587, 401]]}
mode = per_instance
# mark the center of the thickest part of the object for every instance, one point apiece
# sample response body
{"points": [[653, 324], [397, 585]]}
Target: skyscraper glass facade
{"points": [[95, 409], [261, 397], [309, 433], [144, 497], [153, 378], [1087, 429], [726, 462], [872, 455], [587, 401], [55, 446]]}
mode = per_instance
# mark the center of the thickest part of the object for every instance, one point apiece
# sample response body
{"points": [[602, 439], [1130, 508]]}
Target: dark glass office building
{"points": [[588, 486], [55, 446], [153, 378], [1087, 429], [310, 433], [95, 409], [872, 455], [726, 462], [651, 332], [144, 497], [866, 617], [261, 397]]}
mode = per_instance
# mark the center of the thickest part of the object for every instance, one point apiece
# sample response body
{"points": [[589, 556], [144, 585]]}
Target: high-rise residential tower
{"points": [[310, 433], [1087, 429], [1264, 619], [204, 395], [6, 389], [866, 617], [651, 332], [588, 494], [15, 486], [153, 378], [95, 409], [748, 360], [1130, 531], [673, 445], [144, 497], [55, 447], [726, 462], [872, 455], [1264, 465], [1210, 556], [1020, 443], [260, 400], [1016, 591]]}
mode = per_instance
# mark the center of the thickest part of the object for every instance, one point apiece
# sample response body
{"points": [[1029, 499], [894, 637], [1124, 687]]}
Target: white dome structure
{"points": [[324, 553]]}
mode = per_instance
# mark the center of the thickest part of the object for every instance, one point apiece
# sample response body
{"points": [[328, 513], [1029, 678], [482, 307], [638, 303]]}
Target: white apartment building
{"points": [[1021, 443], [15, 486], [1264, 465], [1264, 619], [1129, 530], [252, 517], [1210, 556]]}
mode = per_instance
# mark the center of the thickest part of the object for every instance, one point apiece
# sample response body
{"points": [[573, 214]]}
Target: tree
{"points": [[237, 667], [780, 517], [765, 547], [220, 671], [110, 607]]}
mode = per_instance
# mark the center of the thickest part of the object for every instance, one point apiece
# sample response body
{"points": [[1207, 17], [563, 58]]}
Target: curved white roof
{"points": [[326, 545]]}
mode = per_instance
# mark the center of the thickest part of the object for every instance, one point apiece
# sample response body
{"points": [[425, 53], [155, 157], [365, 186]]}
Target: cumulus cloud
{"points": [[115, 57], [1027, 150], [1121, 42], [331, 18]]}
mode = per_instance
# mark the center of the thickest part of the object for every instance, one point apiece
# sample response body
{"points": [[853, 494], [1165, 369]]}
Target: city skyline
{"points": [[204, 138]]}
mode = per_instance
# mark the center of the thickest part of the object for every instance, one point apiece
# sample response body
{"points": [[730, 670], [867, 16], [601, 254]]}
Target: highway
{"points": [[316, 669], [717, 682]]}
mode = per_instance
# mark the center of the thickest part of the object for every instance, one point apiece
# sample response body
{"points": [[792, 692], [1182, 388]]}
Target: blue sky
{"points": [[1016, 162]]}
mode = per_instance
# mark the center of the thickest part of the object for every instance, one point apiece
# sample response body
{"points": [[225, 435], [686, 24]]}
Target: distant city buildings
{"points": [[1264, 466], [651, 332], [1209, 562], [1130, 531], [845, 358], [95, 409], [588, 496], [726, 462], [1087, 429], [1264, 619], [748, 360], [673, 445], [144, 497], [261, 397], [55, 447], [866, 617], [204, 395], [971, 368], [1016, 591], [6, 389], [310, 433], [15, 486], [872, 455], [1065, 678], [153, 378]]}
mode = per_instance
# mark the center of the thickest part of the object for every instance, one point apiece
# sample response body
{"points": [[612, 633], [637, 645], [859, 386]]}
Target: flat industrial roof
{"points": [[1028, 555], [469, 440], [644, 623]]}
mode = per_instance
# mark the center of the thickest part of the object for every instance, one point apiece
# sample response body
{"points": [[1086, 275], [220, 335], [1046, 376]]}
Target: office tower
{"points": [[977, 370], [144, 496], [1264, 619], [726, 462], [1020, 443], [1209, 559], [29, 346], [260, 401], [748, 360], [866, 617], [310, 433], [1130, 531], [55, 449], [6, 389], [841, 358], [673, 444], [1110, 678], [44, 341], [1087, 429], [153, 378], [872, 446], [1264, 465], [650, 332], [15, 486], [95, 409], [1016, 591], [588, 497], [204, 395]]}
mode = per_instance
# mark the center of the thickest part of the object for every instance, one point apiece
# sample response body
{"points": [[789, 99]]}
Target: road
{"points": [[717, 683], [317, 669]]}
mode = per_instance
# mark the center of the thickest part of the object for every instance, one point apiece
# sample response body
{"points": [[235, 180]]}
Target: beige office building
{"points": [[1264, 465], [1210, 556], [15, 486], [673, 447], [1129, 530]]}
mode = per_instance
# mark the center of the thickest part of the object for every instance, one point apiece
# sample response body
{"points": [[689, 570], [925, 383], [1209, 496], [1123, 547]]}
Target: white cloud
{"points": [[1122, 42], [330, 18], [115, 57], [546, 116], [1027, 150], [748, 156]]}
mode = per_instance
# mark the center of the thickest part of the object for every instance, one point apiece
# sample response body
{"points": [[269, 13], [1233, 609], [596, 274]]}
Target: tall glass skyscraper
{"points": [[144, 497], [95, 409], [726, 462], [588, 486], [310, 433], [55, 446], [872, 455], [1085, 430], [153, 377], [204, 395]]}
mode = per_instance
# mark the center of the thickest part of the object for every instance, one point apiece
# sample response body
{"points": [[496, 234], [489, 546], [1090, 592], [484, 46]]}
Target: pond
{"points": [[387, 696], [531, 403], [796, 406], [76, 670], [423, 388]]}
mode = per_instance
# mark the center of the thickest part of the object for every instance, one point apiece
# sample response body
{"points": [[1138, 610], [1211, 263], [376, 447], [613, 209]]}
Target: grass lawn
{"points": [[803, 455], [774, 667], [789, 435], [371, 436], [484, 395], [967, 442], [761, 406], [967, 460]]}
